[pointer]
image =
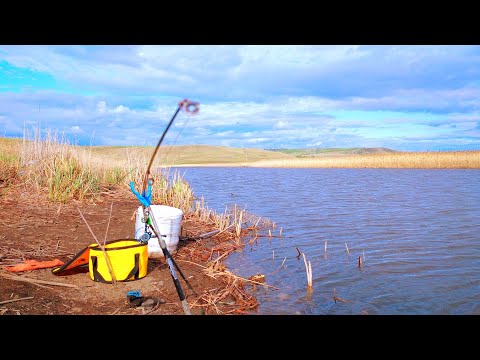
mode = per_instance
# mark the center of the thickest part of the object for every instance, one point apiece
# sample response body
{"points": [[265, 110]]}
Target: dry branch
{"points": [[13, 300], [30, 280]]}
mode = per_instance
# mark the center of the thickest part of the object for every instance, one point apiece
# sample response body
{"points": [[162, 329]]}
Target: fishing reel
{"points": [[145, 237]]}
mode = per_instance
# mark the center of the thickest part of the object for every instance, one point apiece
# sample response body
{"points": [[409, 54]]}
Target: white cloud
{"points": [[120, 109], [281, 125], [265, 95], [257, 140], [101, 107]]}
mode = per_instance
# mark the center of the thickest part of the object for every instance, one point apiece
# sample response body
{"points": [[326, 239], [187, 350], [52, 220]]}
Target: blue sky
{"points": [[408, 98]]}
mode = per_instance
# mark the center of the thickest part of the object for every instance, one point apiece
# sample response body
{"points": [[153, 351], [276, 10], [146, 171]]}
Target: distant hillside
{"points": [[316, 152], [199, 154], [192, 154]]}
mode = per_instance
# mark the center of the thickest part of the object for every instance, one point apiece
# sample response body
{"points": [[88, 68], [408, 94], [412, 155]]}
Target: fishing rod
{"points": [[191, 108]]}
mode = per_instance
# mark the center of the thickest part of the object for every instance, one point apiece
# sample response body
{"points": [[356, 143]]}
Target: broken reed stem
{"points": [[310, 274], [280, 233], [308, 268], [325, 247], [13, 300], [229, 274], [348, 252], [239, 224], [228, 227], [30, 280], [360, 262], [107, 260], [299, 253], [108, 224], [283, 261], [335, 298], [273, 254]]}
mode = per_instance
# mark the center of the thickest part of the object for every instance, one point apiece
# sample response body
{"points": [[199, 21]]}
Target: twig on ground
{"points": [[30, 280], [13, 300]]}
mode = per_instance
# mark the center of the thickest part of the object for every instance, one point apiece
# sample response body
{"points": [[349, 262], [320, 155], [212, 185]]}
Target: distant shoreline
{"points": [[223, 156], [397, 160]]}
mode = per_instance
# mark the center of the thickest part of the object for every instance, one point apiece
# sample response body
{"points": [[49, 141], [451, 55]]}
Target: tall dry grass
{"points": [[50, 164], [9, 161], [468, 159]]}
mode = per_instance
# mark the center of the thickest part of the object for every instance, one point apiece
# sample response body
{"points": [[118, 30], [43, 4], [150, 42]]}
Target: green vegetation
{"points": [[63, 172]]}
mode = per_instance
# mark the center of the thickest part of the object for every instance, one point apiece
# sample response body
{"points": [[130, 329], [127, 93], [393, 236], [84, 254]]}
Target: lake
{"points": [[416, 231]]}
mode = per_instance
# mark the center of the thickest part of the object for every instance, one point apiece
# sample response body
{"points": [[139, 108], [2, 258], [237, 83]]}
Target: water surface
{"points": [[417, 231]]}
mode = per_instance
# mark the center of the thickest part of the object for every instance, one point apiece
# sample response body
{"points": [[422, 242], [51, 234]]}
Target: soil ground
{"points": [[34, 228]]}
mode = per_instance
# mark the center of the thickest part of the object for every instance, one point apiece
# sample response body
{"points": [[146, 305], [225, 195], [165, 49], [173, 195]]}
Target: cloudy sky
{"points": [[401, 97]]}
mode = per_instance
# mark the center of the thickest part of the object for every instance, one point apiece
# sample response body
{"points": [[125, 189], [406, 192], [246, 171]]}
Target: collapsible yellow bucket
{"points": [[128, 261]]}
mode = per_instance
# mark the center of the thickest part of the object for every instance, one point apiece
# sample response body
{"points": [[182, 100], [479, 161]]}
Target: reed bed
{"points": [[49, 163], [234, 295], [468, 159]]}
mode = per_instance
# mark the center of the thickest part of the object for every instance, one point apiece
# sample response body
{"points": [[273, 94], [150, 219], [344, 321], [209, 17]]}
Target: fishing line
{"points": [[190, 108], [171, 150]]}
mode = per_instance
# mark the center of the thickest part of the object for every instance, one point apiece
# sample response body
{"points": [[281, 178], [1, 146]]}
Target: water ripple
{"points": [[416, 230]]}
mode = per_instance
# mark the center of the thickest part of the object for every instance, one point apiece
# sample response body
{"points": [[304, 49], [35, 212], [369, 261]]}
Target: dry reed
{"points": [[468, 159], [47, 162], [105, 255], [308, 268]]}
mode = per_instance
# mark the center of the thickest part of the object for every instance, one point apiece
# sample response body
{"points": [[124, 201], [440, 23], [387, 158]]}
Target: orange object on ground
{"points": [[34, 265]]}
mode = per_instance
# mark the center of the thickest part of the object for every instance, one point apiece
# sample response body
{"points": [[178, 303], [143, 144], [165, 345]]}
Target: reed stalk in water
{"points": [[308, 268]]}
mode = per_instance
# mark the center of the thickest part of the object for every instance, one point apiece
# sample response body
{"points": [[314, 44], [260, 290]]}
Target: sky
{"points": [[408, 98]]}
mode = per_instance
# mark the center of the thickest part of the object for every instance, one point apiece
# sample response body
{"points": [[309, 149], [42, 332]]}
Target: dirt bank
{"points": [[33, 228]]}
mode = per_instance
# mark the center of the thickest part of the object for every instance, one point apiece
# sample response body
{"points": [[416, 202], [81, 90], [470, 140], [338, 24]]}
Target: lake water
{"points": [[417, 232]]}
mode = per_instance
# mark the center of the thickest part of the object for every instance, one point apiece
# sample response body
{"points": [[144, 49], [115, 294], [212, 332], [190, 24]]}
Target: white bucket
{"points": [[169, 221]]}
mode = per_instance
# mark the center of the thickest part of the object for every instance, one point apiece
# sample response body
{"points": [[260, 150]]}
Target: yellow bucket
{"points": [[128, 260]]}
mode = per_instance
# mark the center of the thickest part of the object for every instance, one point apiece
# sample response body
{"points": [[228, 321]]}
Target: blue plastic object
{"points": [[134, 293], [146, 198]]}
